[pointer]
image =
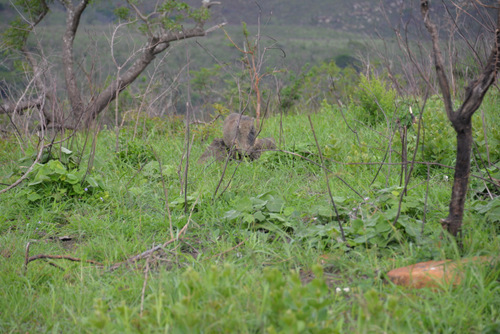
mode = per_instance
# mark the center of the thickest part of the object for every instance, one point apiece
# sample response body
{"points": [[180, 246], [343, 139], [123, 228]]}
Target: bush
{"points": [[375, 97]]}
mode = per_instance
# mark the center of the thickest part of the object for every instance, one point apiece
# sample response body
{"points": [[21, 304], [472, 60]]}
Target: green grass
{"points": [[245, 275]]}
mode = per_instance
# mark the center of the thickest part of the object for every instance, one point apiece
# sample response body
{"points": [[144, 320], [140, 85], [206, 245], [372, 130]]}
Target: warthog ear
{"points": [[251, 135]]}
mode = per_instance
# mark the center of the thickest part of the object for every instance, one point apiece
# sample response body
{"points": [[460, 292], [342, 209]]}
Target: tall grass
{"points": [[233, 275]]}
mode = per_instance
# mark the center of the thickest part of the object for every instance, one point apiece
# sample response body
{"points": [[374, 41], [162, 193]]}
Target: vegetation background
{"points": [[253, 246]]}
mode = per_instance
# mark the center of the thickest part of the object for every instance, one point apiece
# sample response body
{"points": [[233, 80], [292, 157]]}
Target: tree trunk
{"points": [[453, 223], [462, 117], [73, 15]]}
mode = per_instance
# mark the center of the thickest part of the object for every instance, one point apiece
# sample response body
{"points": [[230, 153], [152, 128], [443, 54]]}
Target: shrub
{"points": [[375, 97]]}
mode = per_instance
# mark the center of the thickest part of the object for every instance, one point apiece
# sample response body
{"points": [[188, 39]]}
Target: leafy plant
{"points": [[134, 152], [265, 211], [375, 97], [490, 210], [59, 179]]}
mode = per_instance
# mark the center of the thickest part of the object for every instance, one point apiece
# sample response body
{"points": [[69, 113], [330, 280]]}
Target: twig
{"points": [[327, 180], [407, 177], [146, 272], [227, 251], [324, 168], [56, 257], [425, 200], [25, 175], [144, 254], [165, 191]]}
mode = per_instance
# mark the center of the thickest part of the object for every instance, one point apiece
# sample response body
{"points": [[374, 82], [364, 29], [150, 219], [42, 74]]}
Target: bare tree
{"points": [[161, 27], [461, 118]]}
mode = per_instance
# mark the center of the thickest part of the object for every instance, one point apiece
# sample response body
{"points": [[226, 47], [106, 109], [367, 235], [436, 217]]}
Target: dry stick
{"points": [[188, 149], [26, 255], [38, 156], [230, 179], [144, 254], [426, 197], [327, 180], [230, 154], [404, 155], [146, 272], [227, 251], [133, 177], [389, 147], [165, 191], [475, 155], [28, 259], [407, 179], [19, 136], [486, 145], [63, 257], [92, 152], [323, 167], [54, 265]]}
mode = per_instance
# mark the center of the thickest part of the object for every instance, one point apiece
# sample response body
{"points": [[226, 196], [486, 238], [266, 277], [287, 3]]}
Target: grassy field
{"points": [[262, 252]]}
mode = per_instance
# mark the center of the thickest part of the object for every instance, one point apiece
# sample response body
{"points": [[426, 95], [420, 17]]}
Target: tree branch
{"points": [[155, 46], [72, 22], [438, 59], [476, 90]]}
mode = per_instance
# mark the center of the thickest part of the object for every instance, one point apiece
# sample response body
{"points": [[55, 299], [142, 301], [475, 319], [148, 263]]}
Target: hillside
{"points": [[360, 16]]}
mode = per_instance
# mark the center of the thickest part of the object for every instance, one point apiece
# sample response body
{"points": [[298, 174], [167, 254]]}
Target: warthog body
{"points": [[239, 141], [217, 150], [239, 133], [261, 145]]}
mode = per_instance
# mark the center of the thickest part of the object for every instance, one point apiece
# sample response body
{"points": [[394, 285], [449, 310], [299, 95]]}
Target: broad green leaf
{"points": [[277, 217], [258, 204], [32, 197], [383, 226], [72, 178], [288, 211], [65, 150], [275, 204], [92, 182], [248, 218], [231, 215], [259, 216], [325, 211], [77, 188], [244, 204]]}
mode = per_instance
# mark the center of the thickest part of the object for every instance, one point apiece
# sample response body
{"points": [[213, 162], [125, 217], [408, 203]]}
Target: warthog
{"points": [[239, 141], [239, 133], [261, 145]]}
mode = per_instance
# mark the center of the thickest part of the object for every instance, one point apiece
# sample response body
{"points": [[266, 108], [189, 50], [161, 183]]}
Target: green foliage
{"points": [[264, 211], [489, 209], [16, 35], [345, 60], [122, 13], [174, 13], [265, 256], [291, 93], [60, 179], [327, 80], [368, 224], [376, 99], [298, 308], [134, 152]]}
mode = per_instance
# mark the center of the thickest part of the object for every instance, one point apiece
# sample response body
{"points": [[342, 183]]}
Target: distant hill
{"points": [[358, 16]]}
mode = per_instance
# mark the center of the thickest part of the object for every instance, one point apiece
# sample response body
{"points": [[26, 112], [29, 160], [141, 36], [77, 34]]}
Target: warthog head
{"points": [[239, 133]]}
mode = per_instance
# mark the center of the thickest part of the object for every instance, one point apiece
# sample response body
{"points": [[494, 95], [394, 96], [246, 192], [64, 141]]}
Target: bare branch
{"points": [[438, 59]]}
